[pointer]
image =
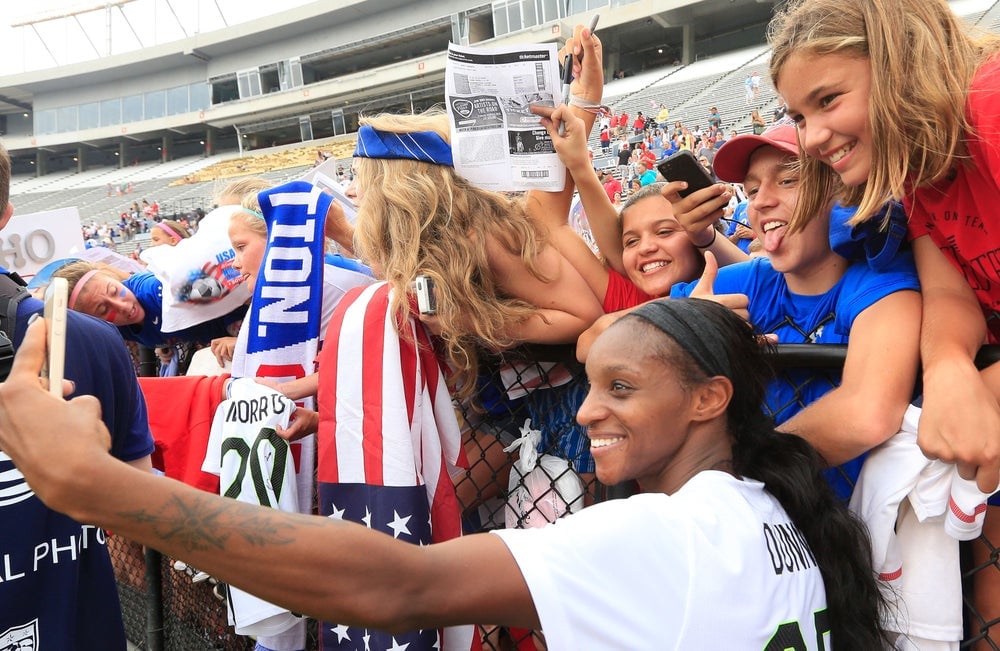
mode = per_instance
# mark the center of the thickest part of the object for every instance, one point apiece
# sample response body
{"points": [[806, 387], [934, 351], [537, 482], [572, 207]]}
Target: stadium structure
{"points": [[305, 74]]}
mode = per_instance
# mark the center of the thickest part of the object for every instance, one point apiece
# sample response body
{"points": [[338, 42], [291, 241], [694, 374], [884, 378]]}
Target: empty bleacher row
{"points": [[182, 185], [179, 186]]}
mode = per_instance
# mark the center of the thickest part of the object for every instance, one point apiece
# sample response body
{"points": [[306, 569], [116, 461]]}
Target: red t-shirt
{"points": [[612, 186], [622, 293], [960, 216]]}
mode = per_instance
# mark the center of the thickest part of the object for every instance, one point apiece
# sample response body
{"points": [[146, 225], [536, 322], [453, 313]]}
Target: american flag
{"points": [[388, 442]]}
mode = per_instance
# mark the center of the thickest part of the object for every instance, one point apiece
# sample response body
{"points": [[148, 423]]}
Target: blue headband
{"points": [[425, 146]]}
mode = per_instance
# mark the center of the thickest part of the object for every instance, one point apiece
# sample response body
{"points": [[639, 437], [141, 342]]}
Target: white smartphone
{"points": [[55, 323], [426, 301]]}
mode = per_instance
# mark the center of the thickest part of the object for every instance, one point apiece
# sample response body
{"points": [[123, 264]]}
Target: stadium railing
{"points": [[170, 606]]}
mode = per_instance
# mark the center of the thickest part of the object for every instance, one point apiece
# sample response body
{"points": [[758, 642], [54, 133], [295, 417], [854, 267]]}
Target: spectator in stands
{"points": [[639, 126], [646, 156], [134, 304], [605, 140], [678, 129], [714, 119], [755, 84], [623, 124], [612, 187], [669, 147], [674, 405], [757, 122], [748, 91], [58, 589], [707, 164], [663, 117], [647, 175], [706, 148], [624, 157], [945, 171], [687, 140], [233, 194], [779, 111], [740, 232], [168, 232]]}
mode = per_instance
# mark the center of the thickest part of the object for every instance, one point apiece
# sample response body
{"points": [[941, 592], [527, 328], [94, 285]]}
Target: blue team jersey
{"points": [[149, 291], [57, 587], [798, 319]]}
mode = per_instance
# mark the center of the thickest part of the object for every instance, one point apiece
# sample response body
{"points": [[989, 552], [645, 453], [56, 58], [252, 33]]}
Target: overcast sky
{"points": [[149, 22], [86, 36]]}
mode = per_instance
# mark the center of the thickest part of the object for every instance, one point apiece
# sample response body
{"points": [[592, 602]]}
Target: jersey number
{"points": [[788, 637], [250, 456]]}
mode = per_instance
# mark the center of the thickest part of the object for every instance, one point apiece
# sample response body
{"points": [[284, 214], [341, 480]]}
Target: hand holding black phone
{"points": [[683, 166]]}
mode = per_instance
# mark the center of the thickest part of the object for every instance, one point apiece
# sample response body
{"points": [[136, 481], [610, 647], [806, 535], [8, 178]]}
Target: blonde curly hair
{"points": [[917, 106], [420, 218]]}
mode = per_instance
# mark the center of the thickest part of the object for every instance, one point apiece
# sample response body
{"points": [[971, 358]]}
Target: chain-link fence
{"points": [[529, 464]]}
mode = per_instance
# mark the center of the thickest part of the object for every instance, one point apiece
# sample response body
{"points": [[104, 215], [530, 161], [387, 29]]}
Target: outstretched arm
{"points": [[572, 149], [960, 422], [566, 305], [876, 385], [588, 86], [373, 580]]}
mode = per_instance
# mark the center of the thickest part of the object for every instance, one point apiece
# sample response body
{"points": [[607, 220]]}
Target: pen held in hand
{"points": [[568, 73]]}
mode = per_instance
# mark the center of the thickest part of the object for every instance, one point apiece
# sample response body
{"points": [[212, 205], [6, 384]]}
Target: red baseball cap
{"points": [[733, 158]]}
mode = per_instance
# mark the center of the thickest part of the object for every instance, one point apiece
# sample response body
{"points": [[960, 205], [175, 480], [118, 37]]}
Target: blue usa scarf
{"points": [[284, 329]]}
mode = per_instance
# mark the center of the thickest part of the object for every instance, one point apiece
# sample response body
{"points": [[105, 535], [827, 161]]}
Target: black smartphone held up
{"points": [[683, 166]]}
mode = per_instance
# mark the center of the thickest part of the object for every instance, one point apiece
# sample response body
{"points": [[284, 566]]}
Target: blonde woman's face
{"points": [[354, 190], [249, 246], [828, 97]]}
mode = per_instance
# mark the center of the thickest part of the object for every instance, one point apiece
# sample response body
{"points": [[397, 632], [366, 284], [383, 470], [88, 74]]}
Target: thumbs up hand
{"points": [[705, 289]]}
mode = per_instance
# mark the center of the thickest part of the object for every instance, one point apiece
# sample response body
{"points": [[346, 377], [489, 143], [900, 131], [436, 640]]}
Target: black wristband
{"points": [[715, 234]]}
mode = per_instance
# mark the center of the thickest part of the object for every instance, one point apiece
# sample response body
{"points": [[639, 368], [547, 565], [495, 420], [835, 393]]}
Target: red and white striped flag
{"points": [[389, 442]]}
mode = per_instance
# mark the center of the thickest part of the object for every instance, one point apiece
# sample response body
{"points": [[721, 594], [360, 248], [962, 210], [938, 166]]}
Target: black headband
{"points": [[700, 336]]}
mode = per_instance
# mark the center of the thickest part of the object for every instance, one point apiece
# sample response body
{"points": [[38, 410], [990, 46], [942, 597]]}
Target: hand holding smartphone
{"points": [[55, 325], [683, 166]]}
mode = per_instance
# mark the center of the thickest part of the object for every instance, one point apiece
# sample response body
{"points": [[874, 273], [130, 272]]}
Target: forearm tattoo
{"points": [[205, 523]]}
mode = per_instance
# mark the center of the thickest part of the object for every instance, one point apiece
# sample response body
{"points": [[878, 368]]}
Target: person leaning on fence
{"points": [[733, 513], [134, 304], [805, 292], [498, 281], [871, 138], [58, 587]]}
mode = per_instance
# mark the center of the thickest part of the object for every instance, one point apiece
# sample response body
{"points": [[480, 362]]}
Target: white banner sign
{"points": [[31, 241]]}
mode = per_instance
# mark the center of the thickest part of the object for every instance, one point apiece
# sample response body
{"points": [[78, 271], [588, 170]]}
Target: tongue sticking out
{"points": [[772, 238]]}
